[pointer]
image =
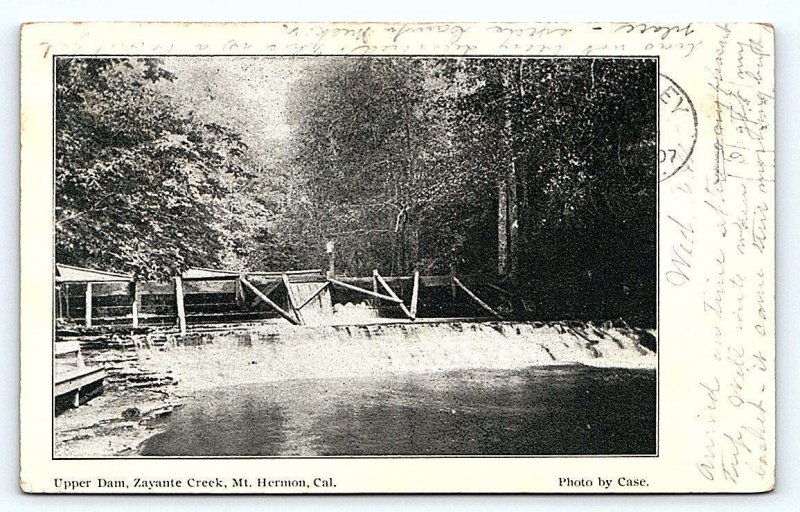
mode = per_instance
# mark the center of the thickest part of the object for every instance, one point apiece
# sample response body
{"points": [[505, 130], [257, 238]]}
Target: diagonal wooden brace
{"points": [[389, 290], [267, 300], [415, 295], [475, 298], [293, 302], [311, 297], [366, 292]]}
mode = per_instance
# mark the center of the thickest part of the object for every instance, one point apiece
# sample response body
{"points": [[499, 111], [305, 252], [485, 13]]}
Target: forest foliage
{"points": [[405, 163]]}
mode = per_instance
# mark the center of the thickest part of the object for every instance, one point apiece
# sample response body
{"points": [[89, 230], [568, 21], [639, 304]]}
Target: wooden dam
{"points": [[89, 298], [90, 301]]}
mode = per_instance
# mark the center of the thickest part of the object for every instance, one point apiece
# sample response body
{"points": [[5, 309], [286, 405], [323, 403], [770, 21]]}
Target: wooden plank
{"points": [[71, 273], [445, 280], [76, 379], [111, 289], [290, 273], [293, 303], [179, 303], [154, 288], [226, 277], [88, 305], [67, 347], [366, 292], [307, 278], [475, 298], [311, 297], [267, 301], [93, 280], [391, 292], [208, 271], [415, 295], [295, 276]]}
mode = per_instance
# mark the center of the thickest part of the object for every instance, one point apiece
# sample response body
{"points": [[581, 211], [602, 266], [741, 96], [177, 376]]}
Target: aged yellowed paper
{"points": [[397, 258]]}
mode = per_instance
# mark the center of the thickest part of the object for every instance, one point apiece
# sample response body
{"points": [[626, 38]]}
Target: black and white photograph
{"points": [[355, 256], [310, 256]]}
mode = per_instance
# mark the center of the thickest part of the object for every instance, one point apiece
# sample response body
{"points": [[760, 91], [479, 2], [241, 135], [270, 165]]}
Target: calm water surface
{"points": [[539, 411]]}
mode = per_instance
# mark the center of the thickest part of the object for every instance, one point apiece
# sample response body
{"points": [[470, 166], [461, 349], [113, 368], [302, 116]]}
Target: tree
{"points": [[374, 151], [138, 185], [545, 164], [580, 141], [541, 169]]}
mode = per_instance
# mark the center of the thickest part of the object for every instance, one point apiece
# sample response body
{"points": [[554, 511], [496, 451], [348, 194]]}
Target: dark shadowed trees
{"points": [[540, 170]]}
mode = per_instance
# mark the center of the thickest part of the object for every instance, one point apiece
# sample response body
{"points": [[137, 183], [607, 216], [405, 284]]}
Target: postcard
{"points": [[324, 258]]}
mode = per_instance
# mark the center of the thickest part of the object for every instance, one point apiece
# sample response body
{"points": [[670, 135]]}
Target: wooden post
{"points": [[179, 303], [415, 295], [392, 294], [374, 286], [88, 303], [66, 302], [239, 293], [267, 301], [475, 298], [59, 298], [330, 249], [135, 305], [293, 303]]}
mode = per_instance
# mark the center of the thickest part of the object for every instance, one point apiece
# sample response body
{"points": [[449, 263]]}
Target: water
{"points": [[535, 411]]}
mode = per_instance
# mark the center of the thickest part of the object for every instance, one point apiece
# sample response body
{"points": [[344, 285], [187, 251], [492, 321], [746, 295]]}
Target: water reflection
{"points": [[547, 411], [224, 421]]}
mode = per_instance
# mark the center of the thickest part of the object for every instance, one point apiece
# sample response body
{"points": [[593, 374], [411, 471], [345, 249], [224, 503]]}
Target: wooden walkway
{"points": [[74, 378]]}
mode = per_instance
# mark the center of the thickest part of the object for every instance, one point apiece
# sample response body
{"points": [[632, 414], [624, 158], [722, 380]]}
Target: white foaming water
{"points": [[271, 353]]}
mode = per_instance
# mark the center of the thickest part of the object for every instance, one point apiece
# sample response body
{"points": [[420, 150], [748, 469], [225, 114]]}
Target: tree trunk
{"points": [[523, 203], [502, 227], [508, 222]]}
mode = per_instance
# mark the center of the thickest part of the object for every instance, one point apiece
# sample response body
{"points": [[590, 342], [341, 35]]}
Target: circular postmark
{"points": [[677, 128]]}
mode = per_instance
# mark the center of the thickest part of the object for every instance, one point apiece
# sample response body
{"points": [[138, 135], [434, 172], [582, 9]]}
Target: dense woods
{"points": [[540, 170]]}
